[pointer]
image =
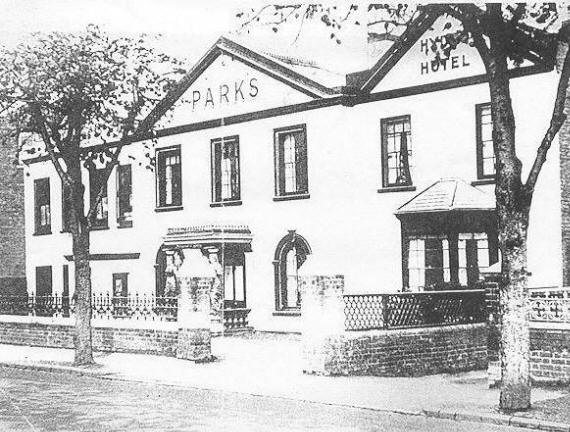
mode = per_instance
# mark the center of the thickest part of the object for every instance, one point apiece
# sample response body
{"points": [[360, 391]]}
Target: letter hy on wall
{"points": [[418, 66]]}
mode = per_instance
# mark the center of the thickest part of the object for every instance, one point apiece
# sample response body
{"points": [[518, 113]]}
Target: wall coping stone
{"points": [[355, 334]]}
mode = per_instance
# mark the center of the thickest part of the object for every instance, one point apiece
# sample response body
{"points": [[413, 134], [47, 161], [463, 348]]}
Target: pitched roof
{"points": [[255, 59], [446, 195]]}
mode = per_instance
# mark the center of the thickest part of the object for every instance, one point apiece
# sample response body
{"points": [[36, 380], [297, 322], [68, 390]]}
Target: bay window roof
{"points": [[446, 195]]}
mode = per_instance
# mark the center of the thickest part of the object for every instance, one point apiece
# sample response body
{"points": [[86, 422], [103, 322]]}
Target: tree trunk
{"points": [[515, 345], [513, 205], [82, 337], [80, 232]]}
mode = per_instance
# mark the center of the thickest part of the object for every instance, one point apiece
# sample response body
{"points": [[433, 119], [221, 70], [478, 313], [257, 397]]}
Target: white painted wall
{"points": [[351, 227]]}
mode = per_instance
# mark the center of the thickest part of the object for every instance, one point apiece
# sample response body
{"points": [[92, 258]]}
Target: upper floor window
{"points": [[124, 196], [485, 151], [169, 177], [42, 210], [396, 151], [225, 169], [291, 161], [98, 184]]}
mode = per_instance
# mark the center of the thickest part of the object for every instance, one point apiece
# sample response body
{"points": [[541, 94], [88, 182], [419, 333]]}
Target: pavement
{"points": [[270, 365]]}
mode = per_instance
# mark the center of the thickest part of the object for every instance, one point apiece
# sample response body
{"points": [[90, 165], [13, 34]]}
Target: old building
{"points": [[271, 169], [12, 244]]}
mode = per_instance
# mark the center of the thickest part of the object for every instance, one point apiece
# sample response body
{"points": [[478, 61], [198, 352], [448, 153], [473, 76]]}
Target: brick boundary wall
{"points": [[406, 352], [109, 339], [550, 355]]}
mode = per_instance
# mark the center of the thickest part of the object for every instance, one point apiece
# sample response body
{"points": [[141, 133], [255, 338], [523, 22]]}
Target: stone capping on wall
{"points": [[95, 323]]}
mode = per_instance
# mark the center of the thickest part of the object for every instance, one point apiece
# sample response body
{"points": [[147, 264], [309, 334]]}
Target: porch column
{"points": [[322, 323]]}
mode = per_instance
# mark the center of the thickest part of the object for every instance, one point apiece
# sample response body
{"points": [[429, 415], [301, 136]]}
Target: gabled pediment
{"points": [[231, 79], [411, 61]]}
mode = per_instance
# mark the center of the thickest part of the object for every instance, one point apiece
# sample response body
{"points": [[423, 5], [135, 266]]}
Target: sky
{"points": [[188, 27]]}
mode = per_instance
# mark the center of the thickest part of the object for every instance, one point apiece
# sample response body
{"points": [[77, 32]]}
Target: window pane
{"points": [[397, 142]]}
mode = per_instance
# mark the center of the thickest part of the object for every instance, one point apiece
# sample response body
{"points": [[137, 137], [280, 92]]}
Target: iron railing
{"points": [[549, 304], [408, 310], [103, 306], [235, 318], [108, 307]]}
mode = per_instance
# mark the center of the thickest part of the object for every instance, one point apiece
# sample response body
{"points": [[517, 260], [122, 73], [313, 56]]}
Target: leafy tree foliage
{"points": [[79, 98]]}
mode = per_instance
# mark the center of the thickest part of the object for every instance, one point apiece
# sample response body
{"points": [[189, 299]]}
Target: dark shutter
{"points": [[234, 154], [177, 181], [281, 163], [217, 170], [301, 162], [161, 175]]}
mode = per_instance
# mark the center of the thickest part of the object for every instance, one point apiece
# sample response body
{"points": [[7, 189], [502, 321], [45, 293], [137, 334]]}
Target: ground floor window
{"points": [[447, 261], [290, 254]]}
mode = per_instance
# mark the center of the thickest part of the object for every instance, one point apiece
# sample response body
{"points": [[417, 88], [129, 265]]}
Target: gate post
{"points": [[322, 318], [194, 334], [490, 282]]}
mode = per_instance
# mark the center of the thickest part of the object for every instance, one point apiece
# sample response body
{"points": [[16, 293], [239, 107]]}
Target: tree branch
{"points": [[49, 146], [556, 122]]}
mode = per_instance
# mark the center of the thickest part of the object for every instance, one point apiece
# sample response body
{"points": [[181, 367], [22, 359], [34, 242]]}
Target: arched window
{"points": [[290, 254]]}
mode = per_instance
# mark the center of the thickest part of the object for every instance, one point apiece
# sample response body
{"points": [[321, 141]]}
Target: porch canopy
{"points": [[200, 236]]}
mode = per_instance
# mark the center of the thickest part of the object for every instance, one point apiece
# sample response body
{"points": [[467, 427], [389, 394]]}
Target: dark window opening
{"points": [[169, 177], [42, 209], [485, 152], [225, 170], [44, 291], [291, 161], [124, 196], [396, 151], [97, 184]]}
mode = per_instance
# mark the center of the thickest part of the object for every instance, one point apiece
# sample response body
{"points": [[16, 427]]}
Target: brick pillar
{"points": [[490, 282], [194, 334], [322, 324], [564, 140]]}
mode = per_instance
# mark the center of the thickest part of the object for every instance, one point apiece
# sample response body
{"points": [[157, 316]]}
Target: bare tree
{"points": [[501, 34]]}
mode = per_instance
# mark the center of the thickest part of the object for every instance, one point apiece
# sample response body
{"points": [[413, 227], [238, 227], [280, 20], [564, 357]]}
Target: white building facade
{"points": [[277, 170]]}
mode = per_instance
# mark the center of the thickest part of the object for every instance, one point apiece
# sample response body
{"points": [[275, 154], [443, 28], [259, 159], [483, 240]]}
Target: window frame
{"points": [[384, 152], [291, 241], [279, 168], [177, 200], [479, 142], [40, 229], [124, 220], [216, 184]]}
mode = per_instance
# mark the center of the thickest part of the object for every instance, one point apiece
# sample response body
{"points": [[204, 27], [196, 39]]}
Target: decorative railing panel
{"points": [[550, 305], [235, 318], [104, 306], [364, 311], [408, 310]]}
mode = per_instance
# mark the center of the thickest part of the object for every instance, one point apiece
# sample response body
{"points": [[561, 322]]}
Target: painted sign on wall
{"points": [[429, 46], [226, 93]]}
